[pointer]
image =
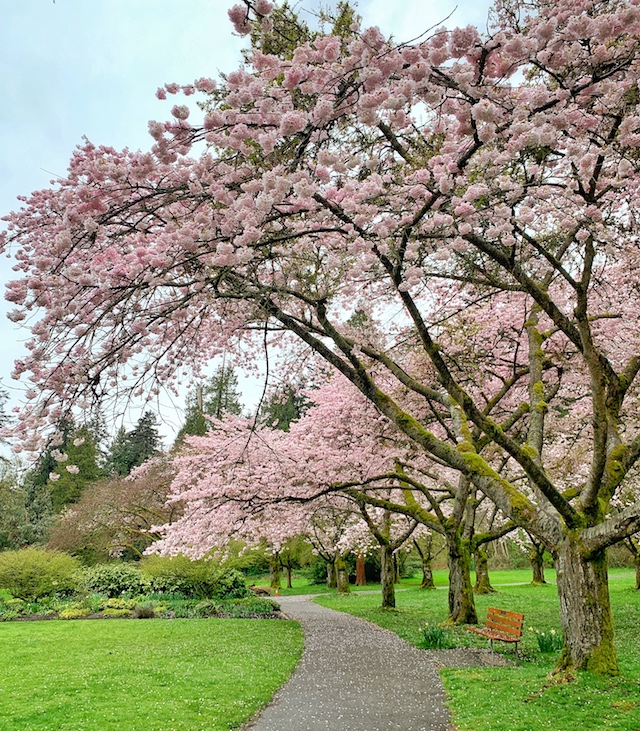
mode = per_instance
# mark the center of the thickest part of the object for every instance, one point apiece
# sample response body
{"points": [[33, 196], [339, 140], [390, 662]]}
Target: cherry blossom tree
{"points": [[463, 176]]}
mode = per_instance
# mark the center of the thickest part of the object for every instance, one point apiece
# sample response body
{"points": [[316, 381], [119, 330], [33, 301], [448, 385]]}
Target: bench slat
{"points": [[501, 625]]}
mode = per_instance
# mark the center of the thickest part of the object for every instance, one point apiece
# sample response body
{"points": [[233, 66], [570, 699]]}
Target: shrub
{"points": [[193, 579], [231, 585], [144, 611], [436, 638], [115, 613], [207, 609], [32, 573], [249, 607], [115, 579], [73, 613]]}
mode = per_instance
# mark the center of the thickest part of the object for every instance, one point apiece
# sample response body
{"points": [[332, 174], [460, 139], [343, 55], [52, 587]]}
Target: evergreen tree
{"points": [[69, 477], [217, 397], [285, 405], [131, 449]]}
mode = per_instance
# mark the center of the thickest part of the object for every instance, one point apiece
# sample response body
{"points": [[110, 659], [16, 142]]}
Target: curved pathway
{"points": [[354, 676]]}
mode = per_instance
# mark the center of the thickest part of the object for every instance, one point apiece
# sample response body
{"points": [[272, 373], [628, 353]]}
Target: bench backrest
{"points": [[505, 621]]}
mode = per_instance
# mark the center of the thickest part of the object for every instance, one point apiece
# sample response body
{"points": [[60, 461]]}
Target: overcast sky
{"points": [[91, 67]]}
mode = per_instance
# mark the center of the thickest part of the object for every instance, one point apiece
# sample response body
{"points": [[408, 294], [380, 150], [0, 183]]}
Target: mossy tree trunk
{"points": [[462, 608], [332, 577], [423, 547], [387, 576], [342, 574], [275, 581], [585, 610], [483, 583], [536, 559]]}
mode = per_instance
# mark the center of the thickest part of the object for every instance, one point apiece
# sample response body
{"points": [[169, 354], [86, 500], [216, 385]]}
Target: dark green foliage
{"points": [[131, 449], [82, 450], [32, 573], [231, 585], [217, 397], [144, 611], [435, 637], [114, 580], [179, 574], [248, 607], [284, 406], [193, 579], [13, 510]]}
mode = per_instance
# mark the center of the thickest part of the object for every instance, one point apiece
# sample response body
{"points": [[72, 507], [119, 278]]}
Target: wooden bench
{"points": [[501, 625]]}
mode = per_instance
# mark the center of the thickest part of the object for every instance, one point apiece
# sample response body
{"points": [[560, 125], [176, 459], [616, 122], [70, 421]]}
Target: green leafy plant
{"points": [[202, 579], [248, 607], [547, 641], [114, 579], [32, 573], [144, 611], [73, 613], [116, 612], [435, 637], [231, 585]]}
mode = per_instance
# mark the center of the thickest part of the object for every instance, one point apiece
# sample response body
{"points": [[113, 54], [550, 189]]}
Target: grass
{"points": [[151, 675], [522, 698]]}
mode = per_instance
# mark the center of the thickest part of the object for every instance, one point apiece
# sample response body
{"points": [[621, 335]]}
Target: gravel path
{"points": [[354, 676]]}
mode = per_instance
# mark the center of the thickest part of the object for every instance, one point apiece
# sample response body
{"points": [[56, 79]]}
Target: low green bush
{"points": [[32, 573], [73, 613], [116, 612], [231, 585], [436, 638], [181, 575], [193, 579], [114, 579], [248, 607], [207, 608]]}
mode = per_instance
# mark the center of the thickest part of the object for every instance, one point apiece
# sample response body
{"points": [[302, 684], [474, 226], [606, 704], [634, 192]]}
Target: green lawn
{"points": [[523, 698], [141, 675]]}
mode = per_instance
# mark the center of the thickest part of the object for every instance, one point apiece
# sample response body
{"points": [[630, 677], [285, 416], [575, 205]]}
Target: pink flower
{"points": [[73, 469]]}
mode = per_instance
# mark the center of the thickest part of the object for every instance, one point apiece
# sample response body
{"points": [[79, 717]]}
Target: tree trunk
{"points": [[483, 584], [462, 608], [536, 558], [288, 569], [425, 560], [585, 610], [361, 577], [387, 577], [342, 575], [636, 561], [427, 574], [274, 572], [332, 580]]}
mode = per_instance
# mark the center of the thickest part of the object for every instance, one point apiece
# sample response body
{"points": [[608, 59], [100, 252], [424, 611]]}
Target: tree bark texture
{"points": [[483, 583], [361, 577], [274, 572], [585, 610], [332, 580], [387, 577], [342, 575], [536, 559], [462, 608]]}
